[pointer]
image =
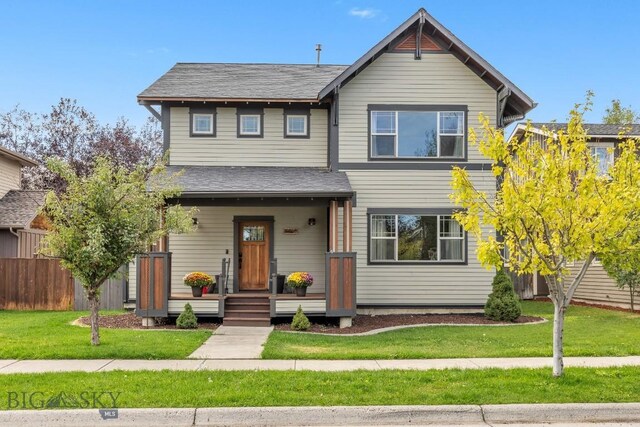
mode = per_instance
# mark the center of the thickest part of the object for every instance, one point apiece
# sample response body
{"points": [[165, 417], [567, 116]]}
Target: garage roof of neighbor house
{"points": [[19, 207]]}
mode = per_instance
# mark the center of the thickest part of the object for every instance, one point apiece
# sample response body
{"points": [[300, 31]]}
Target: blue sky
{"points": [[105, 52]]}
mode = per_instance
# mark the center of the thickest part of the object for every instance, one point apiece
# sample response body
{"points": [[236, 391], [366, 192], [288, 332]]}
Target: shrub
{"points": [[300, 279], [503, 303], [187, 319], [300, 321], [197, 279]]}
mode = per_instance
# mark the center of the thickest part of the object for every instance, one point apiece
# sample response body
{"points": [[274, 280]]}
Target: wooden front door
{"points": [[253, 256]]}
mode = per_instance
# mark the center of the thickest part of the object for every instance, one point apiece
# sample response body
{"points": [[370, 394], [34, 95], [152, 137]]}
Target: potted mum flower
{"points": [[197, 280], [300, 281]]}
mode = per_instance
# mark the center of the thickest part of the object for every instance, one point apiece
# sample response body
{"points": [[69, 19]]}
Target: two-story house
{"points": [[342, 171], [21, 227]]}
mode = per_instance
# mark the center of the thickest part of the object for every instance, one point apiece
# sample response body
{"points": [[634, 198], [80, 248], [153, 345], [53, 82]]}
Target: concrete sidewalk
{"points": [[234, 342], [478, 415], [103, 365]]}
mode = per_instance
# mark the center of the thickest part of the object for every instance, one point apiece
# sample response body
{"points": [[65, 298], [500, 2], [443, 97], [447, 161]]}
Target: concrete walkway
{"points": [[36, 366], [234, 342], [590, 414]]}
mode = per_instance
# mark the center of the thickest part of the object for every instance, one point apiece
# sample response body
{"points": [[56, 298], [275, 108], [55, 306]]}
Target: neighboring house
{"points": [[342, 171], [596, 286], [20, 225]]}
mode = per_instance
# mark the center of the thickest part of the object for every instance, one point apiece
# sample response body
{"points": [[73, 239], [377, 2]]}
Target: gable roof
{"points": [[13, 155], [261, 181], [517, 102], [594, 130], [241, 82], [19, 207]]}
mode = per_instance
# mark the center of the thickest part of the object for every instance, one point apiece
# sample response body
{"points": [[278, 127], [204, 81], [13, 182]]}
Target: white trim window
{"points": [[297, 125], [250, 124], [202, 124], [416, 238], [417, 134], [602, 153]]}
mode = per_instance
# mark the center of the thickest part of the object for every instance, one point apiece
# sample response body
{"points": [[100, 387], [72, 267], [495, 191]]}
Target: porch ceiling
{"points": [[258, 181]]}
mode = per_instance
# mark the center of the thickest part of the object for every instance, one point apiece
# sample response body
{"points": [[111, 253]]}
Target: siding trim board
{"points": [[414, 211], [427, 164], [418, 107]]}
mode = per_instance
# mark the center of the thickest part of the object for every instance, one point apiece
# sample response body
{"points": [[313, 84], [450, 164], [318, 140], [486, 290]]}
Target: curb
{"points": [[343, 415]]}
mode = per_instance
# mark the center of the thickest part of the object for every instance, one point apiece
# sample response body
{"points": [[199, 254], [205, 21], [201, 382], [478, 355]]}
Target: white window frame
{"points": [[194, 118], [438, 134], [416, 261], [305, 131], [606, 145], [259, 125]]}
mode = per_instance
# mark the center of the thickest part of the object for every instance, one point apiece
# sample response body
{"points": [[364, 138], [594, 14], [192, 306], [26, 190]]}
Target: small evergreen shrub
{"points": [[300, 322], [187, 319], [503, 303]]}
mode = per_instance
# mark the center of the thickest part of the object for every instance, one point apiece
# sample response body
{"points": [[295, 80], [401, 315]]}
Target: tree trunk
{"points": [[558, 331], [94, 305], [632, 290]]}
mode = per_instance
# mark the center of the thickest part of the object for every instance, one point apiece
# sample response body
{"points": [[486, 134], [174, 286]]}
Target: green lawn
{"points": [[49, 335], [279, 388], [588, 332]]}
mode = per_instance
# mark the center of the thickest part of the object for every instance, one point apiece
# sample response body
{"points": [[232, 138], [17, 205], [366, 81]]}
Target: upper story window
{"points": [[202, 122], [250, 123], [296, 125], [416, 133], [602, 152], [416, 238]]}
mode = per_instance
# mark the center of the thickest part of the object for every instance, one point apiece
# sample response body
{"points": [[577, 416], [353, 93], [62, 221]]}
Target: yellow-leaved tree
{"points": [[552, 208]]}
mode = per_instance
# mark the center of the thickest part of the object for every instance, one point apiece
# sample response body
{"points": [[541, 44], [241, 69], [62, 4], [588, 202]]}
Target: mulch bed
{"points": [[368, 323], [131, 321]]}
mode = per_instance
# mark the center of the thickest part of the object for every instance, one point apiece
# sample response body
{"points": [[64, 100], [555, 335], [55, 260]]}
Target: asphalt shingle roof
{"points": [[19, 207], [596, 129], [261, 181], [243, 81]]}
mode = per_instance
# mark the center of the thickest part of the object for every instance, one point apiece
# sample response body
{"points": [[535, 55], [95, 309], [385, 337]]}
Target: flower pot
{"points": [[301, 292], [212, 289], [196, 291]]}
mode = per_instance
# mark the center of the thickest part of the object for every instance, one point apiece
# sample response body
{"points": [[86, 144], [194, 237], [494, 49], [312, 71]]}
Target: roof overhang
{"points": [[517, 103], [149, 100], [23, 160]]}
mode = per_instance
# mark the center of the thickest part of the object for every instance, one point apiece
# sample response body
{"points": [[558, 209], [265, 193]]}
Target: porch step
{"points": [[247, 310], [245, 321]]}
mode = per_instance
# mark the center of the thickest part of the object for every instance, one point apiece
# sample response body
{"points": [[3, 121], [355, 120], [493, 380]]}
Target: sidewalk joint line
{"points": [[473, 363], [12, 363], [195, 413], [103, 366]]}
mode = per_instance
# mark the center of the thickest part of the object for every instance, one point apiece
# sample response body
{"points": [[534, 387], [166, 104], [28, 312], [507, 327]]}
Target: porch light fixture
{"points": [[195, 221], [311, 221]]}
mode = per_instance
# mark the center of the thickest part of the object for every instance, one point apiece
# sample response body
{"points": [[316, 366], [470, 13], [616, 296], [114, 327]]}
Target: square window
{"points": [[202, 124], [250, 124], [297, 125]]}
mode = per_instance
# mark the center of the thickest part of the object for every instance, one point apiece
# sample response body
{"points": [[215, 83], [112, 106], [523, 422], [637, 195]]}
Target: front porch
{"points": [[249, 241]]}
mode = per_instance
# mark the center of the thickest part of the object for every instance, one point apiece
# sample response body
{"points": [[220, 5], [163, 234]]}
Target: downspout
{"points": [[13, 232]]}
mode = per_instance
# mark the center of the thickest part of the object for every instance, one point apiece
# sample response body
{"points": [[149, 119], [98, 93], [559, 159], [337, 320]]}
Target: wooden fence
{"points": [[34, 284], [340, 284], [112, 293]]}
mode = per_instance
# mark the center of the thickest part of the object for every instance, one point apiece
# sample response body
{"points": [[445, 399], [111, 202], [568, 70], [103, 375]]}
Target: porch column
{"points": [[162, 242], [347, 233], [333, 226]]}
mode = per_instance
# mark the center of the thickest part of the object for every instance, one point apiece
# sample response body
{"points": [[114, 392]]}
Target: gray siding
{"points": [[436, 79], [8, 245], [598, 287], [9, 175], [226, 149]]}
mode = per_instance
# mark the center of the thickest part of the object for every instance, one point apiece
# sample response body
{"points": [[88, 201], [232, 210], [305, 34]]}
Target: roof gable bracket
{"points": [[421, 22], [503, 96], [153, 111]]}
